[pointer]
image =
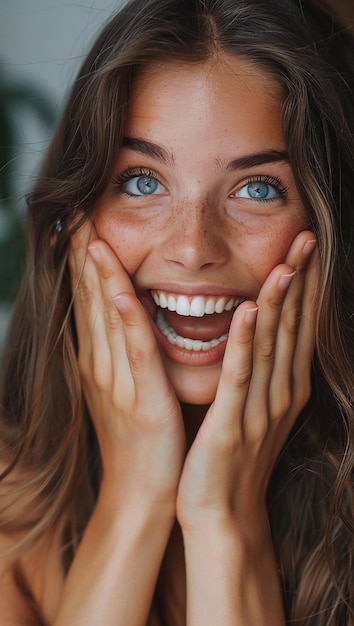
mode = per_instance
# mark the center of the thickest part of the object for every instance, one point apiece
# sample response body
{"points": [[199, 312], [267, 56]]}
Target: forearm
{"points": [[113, 575], [231, 581]]}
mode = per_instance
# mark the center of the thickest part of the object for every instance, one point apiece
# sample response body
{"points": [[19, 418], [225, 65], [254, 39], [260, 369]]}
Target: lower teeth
{"points": [[196, 345]]}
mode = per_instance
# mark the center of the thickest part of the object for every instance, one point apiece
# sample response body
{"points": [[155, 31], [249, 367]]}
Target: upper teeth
{"points": [[195, 306]]}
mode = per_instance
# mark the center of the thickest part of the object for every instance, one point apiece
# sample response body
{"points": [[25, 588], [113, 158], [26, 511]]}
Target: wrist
{"points": [[134, 508], [250, 530], [235, 571]]}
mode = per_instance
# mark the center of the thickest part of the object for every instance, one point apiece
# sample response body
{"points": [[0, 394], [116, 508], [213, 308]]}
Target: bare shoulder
{"points": [[39, 566], [14, 610], [42, 578]]}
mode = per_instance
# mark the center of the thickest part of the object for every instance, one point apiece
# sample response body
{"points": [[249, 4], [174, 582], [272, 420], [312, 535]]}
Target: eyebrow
{"points": [[259, 158], [148, 148]]}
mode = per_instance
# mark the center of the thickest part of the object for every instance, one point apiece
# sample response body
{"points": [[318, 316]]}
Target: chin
{"points": [[194, 385]]}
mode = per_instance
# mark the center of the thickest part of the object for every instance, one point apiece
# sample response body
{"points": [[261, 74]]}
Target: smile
{"points": [[194, 323], [194, 306]]}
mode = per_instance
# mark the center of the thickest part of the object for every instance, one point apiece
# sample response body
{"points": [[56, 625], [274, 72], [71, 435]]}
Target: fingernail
{"points": [[95, 253], [309, 246], [251, 315], [285, 280]]}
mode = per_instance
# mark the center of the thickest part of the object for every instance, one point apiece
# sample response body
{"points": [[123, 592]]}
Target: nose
{"points": [[196, 238]]}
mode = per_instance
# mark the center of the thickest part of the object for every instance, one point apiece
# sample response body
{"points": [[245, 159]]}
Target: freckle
{"points": [[227, 231]]}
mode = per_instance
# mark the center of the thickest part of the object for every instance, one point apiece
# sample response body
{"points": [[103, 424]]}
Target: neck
{"points": [[193, 415]]}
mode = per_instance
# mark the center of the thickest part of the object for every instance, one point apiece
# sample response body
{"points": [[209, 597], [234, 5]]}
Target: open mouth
{"points": [[194, 323]]}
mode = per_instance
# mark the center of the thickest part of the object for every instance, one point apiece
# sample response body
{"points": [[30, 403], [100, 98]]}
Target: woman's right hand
{"points": [[135, 412]]}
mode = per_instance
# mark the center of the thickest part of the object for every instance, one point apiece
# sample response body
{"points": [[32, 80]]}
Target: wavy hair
{"points": [[45, 428]]}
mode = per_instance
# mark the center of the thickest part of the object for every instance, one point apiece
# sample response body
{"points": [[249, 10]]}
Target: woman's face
{"points": [[202, 206]]}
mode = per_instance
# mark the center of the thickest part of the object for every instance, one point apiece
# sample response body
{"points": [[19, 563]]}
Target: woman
{"points": [[177, 419]]}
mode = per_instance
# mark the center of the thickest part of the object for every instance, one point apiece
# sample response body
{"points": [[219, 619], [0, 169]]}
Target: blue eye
{"points": [[142, 186], [261, 189]]}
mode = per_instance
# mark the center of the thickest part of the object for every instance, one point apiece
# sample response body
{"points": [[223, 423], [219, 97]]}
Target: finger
{"points": [[112, 278], [270, 302], [306, 332], [112, 274], [88, 307], [301, 249], [224, 419], [152, 388], [130, 337], [276, 337], [83, 285], [282, 381]]}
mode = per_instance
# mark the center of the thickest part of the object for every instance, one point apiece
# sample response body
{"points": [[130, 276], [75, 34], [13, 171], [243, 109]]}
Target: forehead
{"points": [[213, 72], [217, 96]]}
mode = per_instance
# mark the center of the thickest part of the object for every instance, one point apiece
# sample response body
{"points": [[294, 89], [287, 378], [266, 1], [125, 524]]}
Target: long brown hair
{"points": [[44, 425]]}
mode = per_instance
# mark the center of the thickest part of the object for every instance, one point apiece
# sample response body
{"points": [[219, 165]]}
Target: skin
{"points": [[199, 234], [170, 490], [194, 236]]}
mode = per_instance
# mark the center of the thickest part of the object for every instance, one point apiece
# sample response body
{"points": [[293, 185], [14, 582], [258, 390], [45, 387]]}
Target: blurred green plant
{"points": [[17, 98]]}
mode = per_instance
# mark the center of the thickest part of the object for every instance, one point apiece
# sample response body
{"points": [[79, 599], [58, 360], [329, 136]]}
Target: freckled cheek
{"points": [[264, 248], [130, 242]]}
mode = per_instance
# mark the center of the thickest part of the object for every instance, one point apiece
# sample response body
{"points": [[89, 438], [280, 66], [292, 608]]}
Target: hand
{"points": [[264, 384], [133, 407]]}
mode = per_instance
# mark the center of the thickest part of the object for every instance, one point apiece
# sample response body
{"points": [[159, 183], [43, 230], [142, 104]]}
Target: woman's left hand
{"points": [[265, 382]]}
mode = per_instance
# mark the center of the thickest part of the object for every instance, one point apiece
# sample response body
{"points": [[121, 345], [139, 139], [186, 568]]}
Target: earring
{"points": [[58, 226]]}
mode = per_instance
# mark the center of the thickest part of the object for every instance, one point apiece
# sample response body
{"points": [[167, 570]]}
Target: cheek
{"points": [[130, 241], [266, 245]]}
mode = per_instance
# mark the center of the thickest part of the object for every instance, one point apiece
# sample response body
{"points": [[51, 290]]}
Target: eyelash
{"points": [[131, 172], [276, 183]]}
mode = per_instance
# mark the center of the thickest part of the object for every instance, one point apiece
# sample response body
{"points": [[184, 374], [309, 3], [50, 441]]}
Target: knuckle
{"points": [[132, 322], [290, 320], [238, 378], [83, 292], [230, 446], [228, 441], [137, 358], [93, 372], [257, 430], [282, 405], [265, 350], [300, 272], [106, 272], [246, 338], [272, 302], [112, 318], [100, 382]]}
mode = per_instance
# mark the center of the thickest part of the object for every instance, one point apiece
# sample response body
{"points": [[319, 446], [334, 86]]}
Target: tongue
{"points": [[204, 328]]}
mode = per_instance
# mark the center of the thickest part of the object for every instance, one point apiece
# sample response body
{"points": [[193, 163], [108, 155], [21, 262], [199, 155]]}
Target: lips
{"points": [[194, 323]]}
